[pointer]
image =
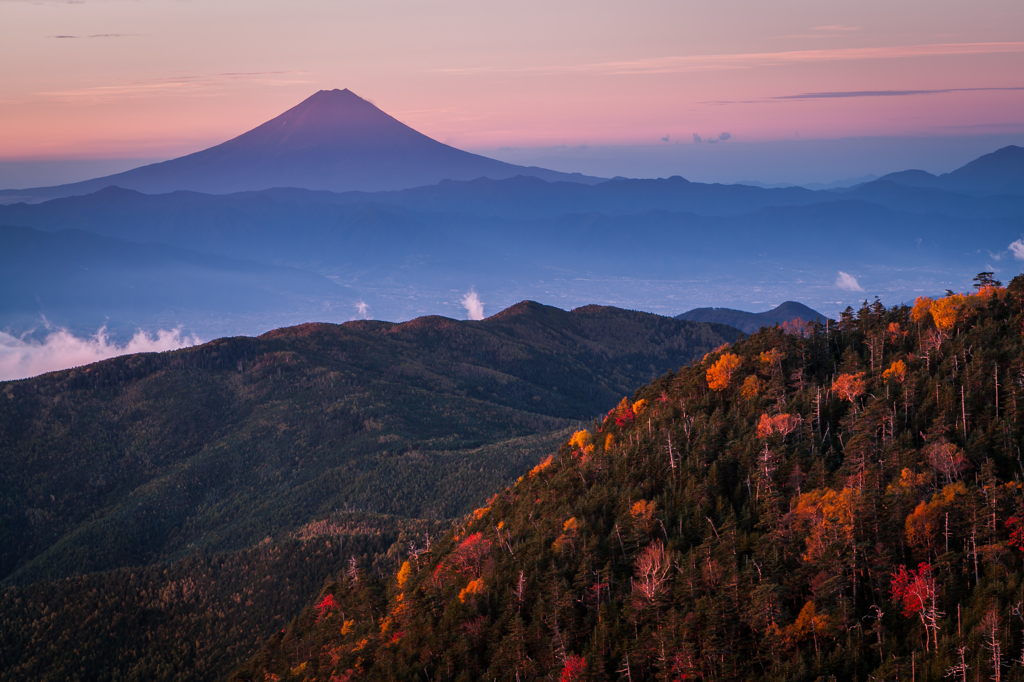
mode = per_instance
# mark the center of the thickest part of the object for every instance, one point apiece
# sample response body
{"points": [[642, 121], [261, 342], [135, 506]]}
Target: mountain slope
{"points": [[790, 508], [333, 140], [751, 322], [217, 446]]}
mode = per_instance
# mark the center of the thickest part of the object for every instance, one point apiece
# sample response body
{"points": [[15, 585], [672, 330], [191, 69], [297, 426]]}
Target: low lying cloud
{"points": [[847, 282], [1017, 249], [473, 305], [722, 137], [21, 358]]}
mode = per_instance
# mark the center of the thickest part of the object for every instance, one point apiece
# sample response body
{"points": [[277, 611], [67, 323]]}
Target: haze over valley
{"points": [[335, 211]]}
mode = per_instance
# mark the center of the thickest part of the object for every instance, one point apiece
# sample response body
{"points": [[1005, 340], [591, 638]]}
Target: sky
{"points": [[793, 90]]}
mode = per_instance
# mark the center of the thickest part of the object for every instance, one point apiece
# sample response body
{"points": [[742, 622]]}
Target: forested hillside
{"points": [[192, 619], [838, 503]]}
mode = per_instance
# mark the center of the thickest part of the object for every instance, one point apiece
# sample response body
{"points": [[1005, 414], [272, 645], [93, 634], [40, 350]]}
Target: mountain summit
{"points": [[334, 140], [1001, 172]]}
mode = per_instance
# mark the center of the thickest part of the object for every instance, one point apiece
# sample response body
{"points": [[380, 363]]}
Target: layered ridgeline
{"points": [[142, 457], [788, 313], [162, 513], [840, 503], [639, 243]]}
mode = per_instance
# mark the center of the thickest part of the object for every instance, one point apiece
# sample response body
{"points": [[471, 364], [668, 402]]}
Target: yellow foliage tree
{"points": [[828, 517], [751, 387], [720, 374], [474, 587], [642, 514], [922, 308], [897, 372], [923, 525], [403, 574], [809, 624], [545, 463], [580, 442], [949, 310]]}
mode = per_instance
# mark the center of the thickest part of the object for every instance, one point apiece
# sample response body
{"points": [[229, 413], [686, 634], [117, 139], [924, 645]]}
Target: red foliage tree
{"points": [[471, 553], [915, 592], [1016, 527], [574, 668], [327, 604]]}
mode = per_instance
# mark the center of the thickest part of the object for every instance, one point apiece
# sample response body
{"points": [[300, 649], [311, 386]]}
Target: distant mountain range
{"points": [[411, 251], [445, 221], [751, 322], [334, 140]]}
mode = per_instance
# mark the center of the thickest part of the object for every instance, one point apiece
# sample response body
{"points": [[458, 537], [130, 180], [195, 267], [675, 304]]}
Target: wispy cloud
{"points": [[719, 62], [473, 305], [21, 358], [847, 282], [364, 309], [175, 84], [102, 35], [885, 93]]}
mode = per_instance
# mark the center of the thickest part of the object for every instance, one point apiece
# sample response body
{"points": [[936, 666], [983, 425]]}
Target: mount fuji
{"points": [[334, 140]]}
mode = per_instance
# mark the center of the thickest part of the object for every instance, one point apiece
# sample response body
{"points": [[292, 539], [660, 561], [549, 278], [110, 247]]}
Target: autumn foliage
{"points": [[326, 605], [574, 669], [719, 375], [762, 534], [913, 589], [779, 424], [849, 387]]}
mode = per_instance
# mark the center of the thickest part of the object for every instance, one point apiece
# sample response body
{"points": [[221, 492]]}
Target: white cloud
{"points": [[1017, 249], [847, 282], [20, 358], [364, 309], [473, 305]]}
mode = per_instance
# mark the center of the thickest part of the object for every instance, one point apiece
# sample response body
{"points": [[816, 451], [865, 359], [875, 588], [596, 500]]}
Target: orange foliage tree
{"points": [[850, 386], [828, 517], [720, 374], [782, 424]]}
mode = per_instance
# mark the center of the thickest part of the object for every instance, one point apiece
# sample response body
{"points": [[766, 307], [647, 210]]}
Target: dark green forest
{"points": [[125, 477], [841, 502], [194, 618]]}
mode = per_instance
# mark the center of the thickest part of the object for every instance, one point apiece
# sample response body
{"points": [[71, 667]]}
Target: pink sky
{"points": [[159, 78]]}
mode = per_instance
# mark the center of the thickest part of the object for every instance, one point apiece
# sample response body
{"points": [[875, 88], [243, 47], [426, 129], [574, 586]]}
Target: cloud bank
{"points": [[847, 282], [473, 305], [20, 358]]}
